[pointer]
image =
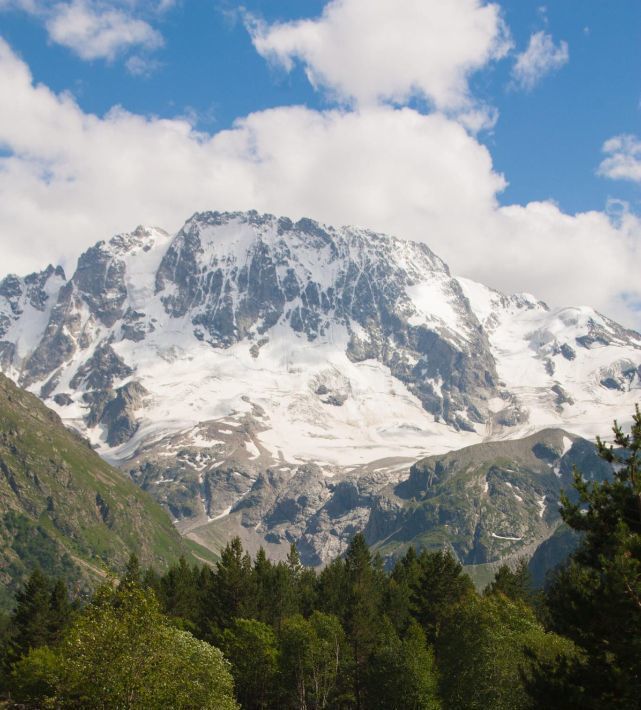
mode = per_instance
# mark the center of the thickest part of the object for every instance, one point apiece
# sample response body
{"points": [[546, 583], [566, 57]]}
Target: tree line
{"points": [[275, 635]]}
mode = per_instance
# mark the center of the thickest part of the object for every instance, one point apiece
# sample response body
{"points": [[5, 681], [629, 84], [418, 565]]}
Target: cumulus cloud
{"points": [[366, 51], [541, 57], [69, 178], [99, 29], [94, 32], [623, 161]]}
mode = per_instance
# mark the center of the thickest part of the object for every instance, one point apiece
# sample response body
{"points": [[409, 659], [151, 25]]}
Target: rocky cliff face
{"points": [[276, 378]]}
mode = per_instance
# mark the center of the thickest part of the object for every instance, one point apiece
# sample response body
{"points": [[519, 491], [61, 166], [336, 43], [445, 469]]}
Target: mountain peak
{"points": [[247, 346]]}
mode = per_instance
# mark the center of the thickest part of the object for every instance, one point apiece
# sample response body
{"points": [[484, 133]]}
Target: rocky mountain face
{"points": [[63, 508], [279, 380]]}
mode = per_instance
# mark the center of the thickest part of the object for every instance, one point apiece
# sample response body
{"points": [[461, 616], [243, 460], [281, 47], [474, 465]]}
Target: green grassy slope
{"points": [[65, 509]]}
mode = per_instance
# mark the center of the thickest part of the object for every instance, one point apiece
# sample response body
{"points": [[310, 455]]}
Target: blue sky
{"points": [[547, 142], [214, 62]]}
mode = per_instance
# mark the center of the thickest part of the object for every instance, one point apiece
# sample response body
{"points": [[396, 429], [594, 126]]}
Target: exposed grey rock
{"points": [[230, 278], [115, 410], [63, 399], [232, 299], [99, 278], [100, 370], [7, 353], [561, 397], [568, 352], [61, 338]]}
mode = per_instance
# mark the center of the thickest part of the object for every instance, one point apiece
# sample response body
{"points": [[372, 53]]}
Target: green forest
{"points": [[258, 634]]}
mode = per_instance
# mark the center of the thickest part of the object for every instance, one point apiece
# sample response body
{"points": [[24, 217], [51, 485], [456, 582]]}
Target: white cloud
{"points": [[138, 65], [95, 32], [623, 161], [73, 178], [541, 57], [99, 29], [365, 51]]}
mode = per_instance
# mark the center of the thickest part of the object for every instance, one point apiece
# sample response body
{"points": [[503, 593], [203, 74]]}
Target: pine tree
{"points": [[41, 615], [231, 593], [179, 593], [513, 583], [440, 584], [596, 599], [293, 561], [30, 619], [42, 612], [60, 611], [132, 574], [398, 594], [362, 618], [263, 586]]}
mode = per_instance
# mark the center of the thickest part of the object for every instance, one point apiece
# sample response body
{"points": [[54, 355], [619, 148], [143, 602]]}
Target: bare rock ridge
{"points": [[278, 379]]}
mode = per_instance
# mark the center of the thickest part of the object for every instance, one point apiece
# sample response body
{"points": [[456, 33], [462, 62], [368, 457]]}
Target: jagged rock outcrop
{"points": [[279, 378]]}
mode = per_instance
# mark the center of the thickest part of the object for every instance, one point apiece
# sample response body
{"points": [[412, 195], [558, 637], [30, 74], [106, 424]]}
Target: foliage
{"points": [[440, 584], [352, 637], [596, 600], [402, 673], [63, 509], [313, 657], [252, 649], [120, 652], [41, 613], [516, 584], [484, 650]]}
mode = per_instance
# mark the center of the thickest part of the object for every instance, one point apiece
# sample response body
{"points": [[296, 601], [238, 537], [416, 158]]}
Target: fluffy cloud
{"points": [[70, 178], [541, 57], [365, 51], [623, 161], [98, 29], [99, 32]]}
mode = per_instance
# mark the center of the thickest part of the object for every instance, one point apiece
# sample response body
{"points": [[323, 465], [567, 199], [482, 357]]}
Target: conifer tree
{"points": [[232, 593], [440, 584], [513, 583], [263, 586], [31, 617], [60, 611], [362, 618], [42, 611], [398, 591], [132, 574], [179, 593], [596, 599]]}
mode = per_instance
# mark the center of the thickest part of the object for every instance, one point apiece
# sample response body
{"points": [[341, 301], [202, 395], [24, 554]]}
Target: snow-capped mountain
{"points": [[248, 346]]}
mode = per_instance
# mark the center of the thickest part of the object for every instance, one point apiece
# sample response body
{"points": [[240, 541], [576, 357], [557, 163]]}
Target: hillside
{"points": [[65, 509]]}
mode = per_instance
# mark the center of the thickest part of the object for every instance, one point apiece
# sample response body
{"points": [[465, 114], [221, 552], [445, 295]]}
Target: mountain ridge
{"points": [[246, 344]]}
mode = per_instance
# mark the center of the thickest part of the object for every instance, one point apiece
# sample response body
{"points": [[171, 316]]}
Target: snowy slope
{"points": [[567, 367], [248, 346]]}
